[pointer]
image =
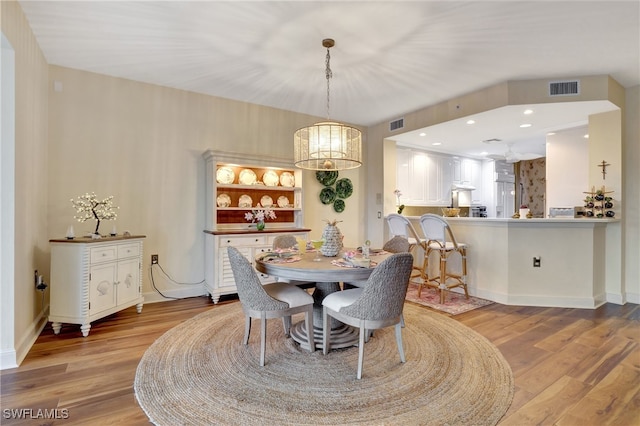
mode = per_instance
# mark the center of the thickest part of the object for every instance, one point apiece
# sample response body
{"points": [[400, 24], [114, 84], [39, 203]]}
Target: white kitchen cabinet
{"points": [[456, 170], [433, 165], [445, 174], [477, 195], [412, 176], [91, 279], [425, 178]]}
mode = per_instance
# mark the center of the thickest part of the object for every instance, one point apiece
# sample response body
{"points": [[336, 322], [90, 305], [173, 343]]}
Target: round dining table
{"points": [[327, 274]]}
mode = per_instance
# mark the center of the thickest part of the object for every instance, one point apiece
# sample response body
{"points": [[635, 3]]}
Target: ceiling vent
{"points": [[564, 88], [396, 124], [492, 140]]}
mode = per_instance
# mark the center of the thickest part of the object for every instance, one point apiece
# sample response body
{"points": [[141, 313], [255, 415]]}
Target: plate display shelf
{"points": [[228, 188], [226, 224]]}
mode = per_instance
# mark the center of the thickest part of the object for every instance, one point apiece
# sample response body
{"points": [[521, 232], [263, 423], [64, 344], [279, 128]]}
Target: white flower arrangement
{"points": [[260, 214], [89, 207]]}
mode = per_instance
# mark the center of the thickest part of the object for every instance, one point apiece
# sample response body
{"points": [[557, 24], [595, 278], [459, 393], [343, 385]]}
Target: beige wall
{"points": [[143, 144], [631, 194], [31, 167]]}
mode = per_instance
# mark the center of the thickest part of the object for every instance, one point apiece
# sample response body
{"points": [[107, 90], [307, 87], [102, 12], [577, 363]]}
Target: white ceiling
{"points": [[390, 58], [493, 132]]}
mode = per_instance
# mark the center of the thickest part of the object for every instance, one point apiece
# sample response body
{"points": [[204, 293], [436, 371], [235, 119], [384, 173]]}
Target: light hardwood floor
{"points": [[571, 366]]}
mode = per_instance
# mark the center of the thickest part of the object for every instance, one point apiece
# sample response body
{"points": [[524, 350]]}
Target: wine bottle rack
{"points": [[597, 203]]}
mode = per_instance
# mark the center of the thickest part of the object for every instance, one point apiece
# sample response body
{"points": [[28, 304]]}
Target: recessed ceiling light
{"points": [[528, 111], [470, 121], [436, 143], [423, 134], [586, 136], [551, 133], [525, 125], [484, 153]]}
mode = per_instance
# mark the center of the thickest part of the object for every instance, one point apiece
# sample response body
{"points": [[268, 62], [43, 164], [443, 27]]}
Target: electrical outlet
{"points": [[40, 284], [154, 259], [536, 262]]}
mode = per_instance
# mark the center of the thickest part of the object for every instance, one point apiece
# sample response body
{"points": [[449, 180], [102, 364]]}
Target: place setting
{"points": [[281, 256], [350, 259]]}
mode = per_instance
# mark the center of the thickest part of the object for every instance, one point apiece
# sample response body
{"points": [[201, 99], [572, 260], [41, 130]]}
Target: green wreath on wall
{"points": [[331, 194]]}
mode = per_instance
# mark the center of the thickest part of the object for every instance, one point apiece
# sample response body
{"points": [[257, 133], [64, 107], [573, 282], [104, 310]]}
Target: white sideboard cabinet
{"points": [[219, 276], [91, 279], [235, 185]]}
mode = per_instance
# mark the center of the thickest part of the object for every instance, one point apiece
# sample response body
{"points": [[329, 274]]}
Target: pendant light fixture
{"points": [[327, 145]]}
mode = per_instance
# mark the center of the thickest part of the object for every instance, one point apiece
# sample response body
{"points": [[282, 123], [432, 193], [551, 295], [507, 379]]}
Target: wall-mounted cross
{"points": [[604, 165]]}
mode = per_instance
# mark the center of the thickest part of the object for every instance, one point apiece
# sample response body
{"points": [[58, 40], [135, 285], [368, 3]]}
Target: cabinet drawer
{"points": [[128, 250], [104, 254], [242, 241]]}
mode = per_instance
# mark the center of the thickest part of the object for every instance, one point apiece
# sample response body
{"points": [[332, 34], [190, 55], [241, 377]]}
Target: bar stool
{"points": [[401, 226], [440, 239]]}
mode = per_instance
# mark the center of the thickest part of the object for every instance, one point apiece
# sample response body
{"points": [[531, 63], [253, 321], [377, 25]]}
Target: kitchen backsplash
{"points": [[420, 210]]}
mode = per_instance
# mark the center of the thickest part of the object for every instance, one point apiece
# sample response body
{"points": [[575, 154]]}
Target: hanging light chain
{"points": [[328, 43]]}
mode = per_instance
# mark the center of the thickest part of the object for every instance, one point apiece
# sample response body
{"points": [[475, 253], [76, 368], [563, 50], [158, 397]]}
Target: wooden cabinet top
{"points": [[253, 231], [89, 240]]}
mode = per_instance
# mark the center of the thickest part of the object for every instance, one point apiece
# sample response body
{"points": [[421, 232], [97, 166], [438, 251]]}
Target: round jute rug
{"points": [[200, 373]]}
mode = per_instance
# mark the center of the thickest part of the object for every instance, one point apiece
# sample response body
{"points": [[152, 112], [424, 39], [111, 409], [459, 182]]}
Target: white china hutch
{"points": [[235, 185]]}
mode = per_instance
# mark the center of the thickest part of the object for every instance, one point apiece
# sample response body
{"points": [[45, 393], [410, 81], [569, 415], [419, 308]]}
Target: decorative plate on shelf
{"points": [[283, 201], [344, 188], [225, 175], [270, 178], [287, 179], [223, 200], [245, 201], [327, 177], [266, 201], [247, 177], [327, 195]]}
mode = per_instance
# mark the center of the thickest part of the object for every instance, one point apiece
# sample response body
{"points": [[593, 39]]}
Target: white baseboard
{"points": [[633, 298], [11, 358], [8, 359], [542, 301]]}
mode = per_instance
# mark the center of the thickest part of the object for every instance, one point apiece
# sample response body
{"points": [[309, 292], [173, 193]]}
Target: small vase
{"points": [[260, 226], [524, 213]]}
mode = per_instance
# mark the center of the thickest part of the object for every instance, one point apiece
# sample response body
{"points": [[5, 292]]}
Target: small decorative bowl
{"points": [[450, 212]]}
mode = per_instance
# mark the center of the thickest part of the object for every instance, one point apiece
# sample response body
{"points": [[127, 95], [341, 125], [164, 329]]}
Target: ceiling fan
{"points": [[514, 157]]}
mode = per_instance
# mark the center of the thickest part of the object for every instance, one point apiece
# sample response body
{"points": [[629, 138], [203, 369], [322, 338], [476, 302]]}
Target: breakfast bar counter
{"points": [[579, 267]]}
